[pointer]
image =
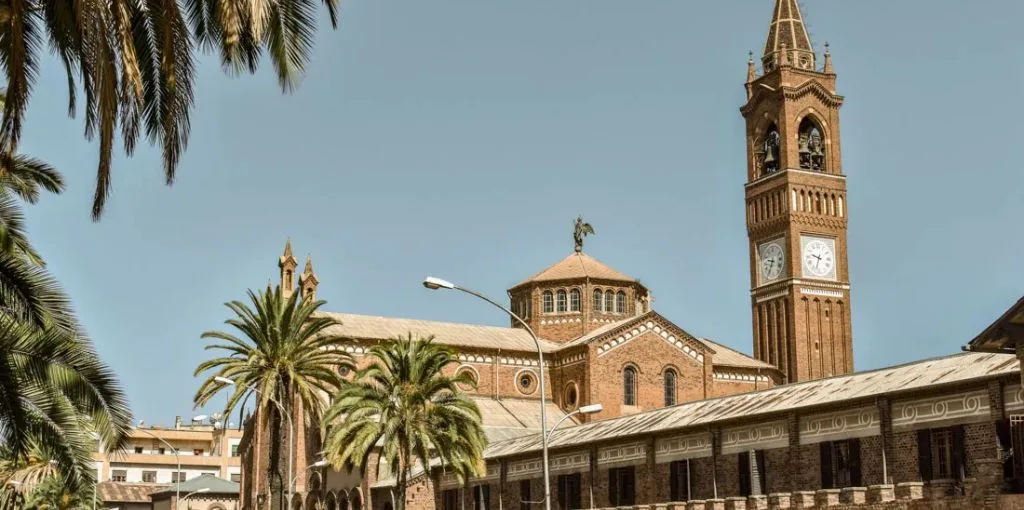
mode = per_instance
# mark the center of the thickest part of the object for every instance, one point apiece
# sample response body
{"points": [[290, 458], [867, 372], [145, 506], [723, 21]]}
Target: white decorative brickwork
{"points": [[934, 411], [622, 455], [846, 424], [762, 436], [525, 469], [691, 446], [738, 377], [570, 463], [1013, 398], [626, 336]]}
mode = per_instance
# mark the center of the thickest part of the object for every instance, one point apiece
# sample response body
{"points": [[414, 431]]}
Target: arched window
{"points": [[609, 301], [812, 146], [574, 300], [770, 151], [549, 302], [670, 387], [598, 295], [620, 302], [629, 386], [560, 301]]}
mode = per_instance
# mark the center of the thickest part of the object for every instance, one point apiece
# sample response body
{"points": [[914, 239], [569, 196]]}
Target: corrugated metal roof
{"points": [[577, 265], [370, 327], [908, 377]]}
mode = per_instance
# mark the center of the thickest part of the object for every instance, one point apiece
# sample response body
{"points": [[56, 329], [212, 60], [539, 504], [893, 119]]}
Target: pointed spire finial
{"points": [[309, 264], [828, 59], [751, 70], [288, 248]]}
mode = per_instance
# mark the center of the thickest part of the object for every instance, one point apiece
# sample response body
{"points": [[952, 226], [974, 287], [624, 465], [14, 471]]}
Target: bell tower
{"points": [[796, 206]]}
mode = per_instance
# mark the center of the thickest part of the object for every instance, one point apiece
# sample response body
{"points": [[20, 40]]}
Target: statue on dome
{"points": [[582, 230]]}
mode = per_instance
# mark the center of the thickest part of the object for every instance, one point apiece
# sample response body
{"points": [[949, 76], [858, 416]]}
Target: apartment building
{"points": [[162, 455]]}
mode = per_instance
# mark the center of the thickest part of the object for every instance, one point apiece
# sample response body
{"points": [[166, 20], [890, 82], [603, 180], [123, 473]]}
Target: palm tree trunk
{"points": [[402, 482], [275, 482]]}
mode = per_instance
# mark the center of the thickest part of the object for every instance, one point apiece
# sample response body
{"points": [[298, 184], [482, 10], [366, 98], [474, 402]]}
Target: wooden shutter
{"points": [[924, 454], [613, 487], [827, 480], [673, 481], [630, 486], [744, 466], [855, 471], [577, 491], [959, 453], [761, 471]]}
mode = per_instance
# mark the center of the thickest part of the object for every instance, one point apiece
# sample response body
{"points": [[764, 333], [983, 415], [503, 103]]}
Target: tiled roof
{"points": [[957, 368], [727, 356], [214, 484], [369, 327], [121, 492], [577, 265]]}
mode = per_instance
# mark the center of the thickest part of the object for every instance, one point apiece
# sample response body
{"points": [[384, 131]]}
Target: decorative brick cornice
{"points": [[737, 376], [815, 88], [677, 338]]}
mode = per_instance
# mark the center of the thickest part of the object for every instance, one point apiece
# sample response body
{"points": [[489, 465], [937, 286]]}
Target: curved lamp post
{"points": [[177, 490], [288, 415], [591, 409], [433, 283], [177, 503]]}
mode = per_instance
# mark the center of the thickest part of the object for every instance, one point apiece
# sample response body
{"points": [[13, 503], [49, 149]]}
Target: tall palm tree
{"points": [[404, 404], [53, 494], [285, 355], [134, 61], [55, 394]]}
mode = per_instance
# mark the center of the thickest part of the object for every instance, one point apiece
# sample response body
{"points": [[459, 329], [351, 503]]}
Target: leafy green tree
{"points": [[284, 354], [134, 62], [53, 494], [54, 394], [404, 404]]}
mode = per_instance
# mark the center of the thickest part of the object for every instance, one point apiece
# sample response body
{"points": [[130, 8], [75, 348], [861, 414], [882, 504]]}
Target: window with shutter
{"points": [[924, 454], [482, 497], [524, 495], [621, 486], [856, 478], [744, 467], [958, 455], [827, 478], [679, 480]]}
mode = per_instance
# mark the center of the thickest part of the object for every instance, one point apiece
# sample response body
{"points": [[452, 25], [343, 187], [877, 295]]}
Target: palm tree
{"points": [[55, 394], [53, 494], [284, 355], [403, 404], [135, 62]]}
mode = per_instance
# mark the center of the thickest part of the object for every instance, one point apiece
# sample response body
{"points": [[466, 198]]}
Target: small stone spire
{"points": [[308, 281], [828, 60], [787, 31], [751, 69], [287, 263]]}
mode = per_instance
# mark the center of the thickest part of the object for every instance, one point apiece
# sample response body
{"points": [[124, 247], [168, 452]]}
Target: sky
{"points": [[460, 138]]}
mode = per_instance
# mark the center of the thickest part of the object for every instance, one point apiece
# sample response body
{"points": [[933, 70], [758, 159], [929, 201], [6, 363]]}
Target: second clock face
{"points": [[818, 257], [772, 260]]}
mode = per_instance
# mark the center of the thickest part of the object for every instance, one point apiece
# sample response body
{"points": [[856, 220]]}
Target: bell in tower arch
{"points": [[812, 146], [770, 164]]}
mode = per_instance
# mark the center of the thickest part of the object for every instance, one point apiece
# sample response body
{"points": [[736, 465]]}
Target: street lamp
{"points": [[291, 486], [177, 502], [177, 490], [288, 415], [433, 283], [591, 409]]}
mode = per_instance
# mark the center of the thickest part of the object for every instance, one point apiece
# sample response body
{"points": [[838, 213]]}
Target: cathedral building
{"points": [[685, 419]]}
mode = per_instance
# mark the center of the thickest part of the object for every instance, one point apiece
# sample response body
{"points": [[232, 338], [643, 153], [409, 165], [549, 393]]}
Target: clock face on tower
{"points": [[771, 259], [817, 256]]}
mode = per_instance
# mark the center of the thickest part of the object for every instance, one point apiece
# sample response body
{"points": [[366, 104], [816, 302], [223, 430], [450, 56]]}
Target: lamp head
{"points": [[200, 417], [318, 464], [204, 489], [224, 380], [433, 283], [591, 409]]}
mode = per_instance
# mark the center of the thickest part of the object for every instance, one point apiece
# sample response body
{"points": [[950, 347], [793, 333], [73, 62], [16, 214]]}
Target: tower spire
{"points": [[787, 34], [308, 281]]}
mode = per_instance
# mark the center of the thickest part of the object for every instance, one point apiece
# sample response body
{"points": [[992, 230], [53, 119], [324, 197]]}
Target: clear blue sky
{"points": [[460, 139]]}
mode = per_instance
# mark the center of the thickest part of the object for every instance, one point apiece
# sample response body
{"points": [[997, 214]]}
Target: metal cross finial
{"points": [[580, 231]]}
